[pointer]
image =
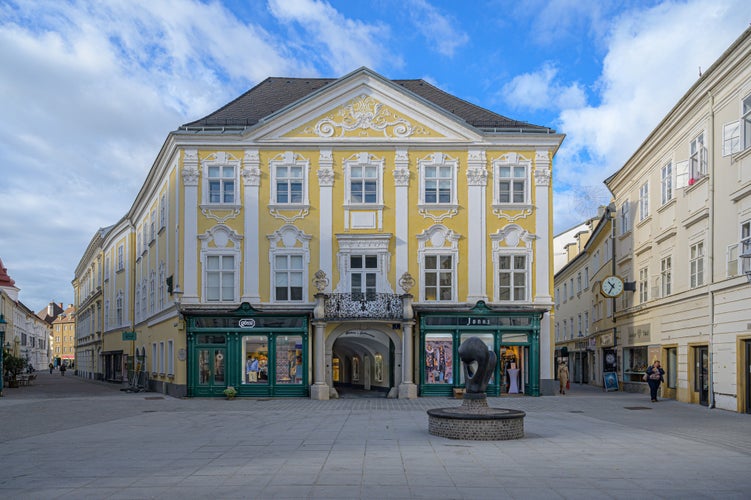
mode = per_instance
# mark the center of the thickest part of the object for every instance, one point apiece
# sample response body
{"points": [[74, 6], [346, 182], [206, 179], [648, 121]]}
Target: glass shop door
{"points": [[211, 371]]}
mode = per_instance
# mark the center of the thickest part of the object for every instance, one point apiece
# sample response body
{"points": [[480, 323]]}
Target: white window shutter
{"points": [[681, 174]]}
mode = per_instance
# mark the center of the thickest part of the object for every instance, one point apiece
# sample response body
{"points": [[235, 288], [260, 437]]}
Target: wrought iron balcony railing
{"points": [[383, 306]]}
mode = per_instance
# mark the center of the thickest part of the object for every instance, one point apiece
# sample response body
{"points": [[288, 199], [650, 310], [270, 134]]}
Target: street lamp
{"points": [[2, 352]]}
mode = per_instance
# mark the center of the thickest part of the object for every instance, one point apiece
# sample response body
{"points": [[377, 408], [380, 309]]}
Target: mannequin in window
{"points": [[513, 379]]}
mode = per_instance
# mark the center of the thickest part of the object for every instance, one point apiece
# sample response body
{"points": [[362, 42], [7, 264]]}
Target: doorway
{"points": [[701, 374], [747, 371], [362, 364]]}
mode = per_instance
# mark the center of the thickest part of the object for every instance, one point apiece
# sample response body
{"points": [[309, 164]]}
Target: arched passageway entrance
{"points": [[362, 364]]}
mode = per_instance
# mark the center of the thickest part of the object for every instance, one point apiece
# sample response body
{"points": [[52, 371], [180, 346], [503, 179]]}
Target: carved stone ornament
{"points": [[325, 176], [406, 282], [364, 112], [542, 177], [251, 175], [401, 177], [320, 281], [190, 175], [477, 176]]}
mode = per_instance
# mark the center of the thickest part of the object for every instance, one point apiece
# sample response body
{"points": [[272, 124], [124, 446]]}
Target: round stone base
{"points": [[476, 421]]}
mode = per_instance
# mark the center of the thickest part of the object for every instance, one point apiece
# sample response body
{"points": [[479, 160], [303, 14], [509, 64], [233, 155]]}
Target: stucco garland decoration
{"points": [[401, 177], [325, 176], [542, 177], [477, 176], [501, 214], [251, 173], [364, 112], [292, 218], [437, 218], [512, 235], [190, 171]]}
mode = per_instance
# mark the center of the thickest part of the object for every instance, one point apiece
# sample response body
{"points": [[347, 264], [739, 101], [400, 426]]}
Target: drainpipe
{"points": [[710, 247]]}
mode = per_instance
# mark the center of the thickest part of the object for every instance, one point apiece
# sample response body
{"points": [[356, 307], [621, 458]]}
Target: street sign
{"points": [[129, 335]]}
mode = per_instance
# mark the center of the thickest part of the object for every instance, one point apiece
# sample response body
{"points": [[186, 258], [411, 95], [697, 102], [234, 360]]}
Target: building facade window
{"points": [[644, 201], [625, 217], [222, 185], [696, 264], [513, 272], [438, 253], [289, 258], [697, 159], [666, 183], [438, 174], [745, 245], [120, 257], [152, 227], [746, 120], [163, 211], [364, 176], [220, 278], [666, 278], [643, 285], [170, 357], [119, 308], [512, 184], [731, 138], [289, 183]]}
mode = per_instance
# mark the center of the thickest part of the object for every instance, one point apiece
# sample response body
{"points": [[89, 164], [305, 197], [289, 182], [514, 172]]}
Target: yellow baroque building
{"points": [[318, 235]]}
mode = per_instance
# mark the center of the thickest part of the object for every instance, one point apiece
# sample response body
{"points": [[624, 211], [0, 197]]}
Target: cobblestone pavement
{"points": [[68, 438]]}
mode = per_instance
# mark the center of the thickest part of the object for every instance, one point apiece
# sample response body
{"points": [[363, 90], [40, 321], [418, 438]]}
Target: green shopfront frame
{"points": [[257, 354], [441, 334]]}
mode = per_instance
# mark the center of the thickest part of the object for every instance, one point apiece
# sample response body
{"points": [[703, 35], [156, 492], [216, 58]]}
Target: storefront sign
{"points": [[606, 340], [476, 321], [247, 323], [129, 335], [637, 334]]}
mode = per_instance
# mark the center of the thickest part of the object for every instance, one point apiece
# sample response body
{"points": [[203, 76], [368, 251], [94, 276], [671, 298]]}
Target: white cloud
{"points": [[440, 30], [541, 90], [344, 44], [653, 57]]}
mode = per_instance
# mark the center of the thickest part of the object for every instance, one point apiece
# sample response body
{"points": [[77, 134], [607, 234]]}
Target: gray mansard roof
{"points": [[275, 93]]}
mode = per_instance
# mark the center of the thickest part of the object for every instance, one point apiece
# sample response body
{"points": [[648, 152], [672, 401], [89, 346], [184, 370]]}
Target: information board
{"points": [[610, 381]]}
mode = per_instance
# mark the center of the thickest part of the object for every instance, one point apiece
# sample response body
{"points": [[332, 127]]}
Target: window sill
{"points": [[438, 206], [364, 206], [698, 182], [290, 206], [666, 205], [512, 206], [220, 206], [646, 220]]}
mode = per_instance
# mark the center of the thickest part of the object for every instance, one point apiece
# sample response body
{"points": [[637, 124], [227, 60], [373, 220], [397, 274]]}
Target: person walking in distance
{"points": [[654, 377], [563, 377], [62, 369], [52, 367]]}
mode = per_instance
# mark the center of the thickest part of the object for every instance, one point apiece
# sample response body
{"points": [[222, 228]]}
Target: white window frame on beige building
{"points": [[438, 240], [512, 160], [220, 241], [289, 159], [220, 160], [289, 241], [438, 161]]}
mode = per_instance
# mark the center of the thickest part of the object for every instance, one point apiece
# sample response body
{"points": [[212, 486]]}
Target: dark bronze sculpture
{"points": [[478, 363]]}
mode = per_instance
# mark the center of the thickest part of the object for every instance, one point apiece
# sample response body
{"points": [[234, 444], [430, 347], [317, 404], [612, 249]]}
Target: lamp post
{"points": [[2, 351]]}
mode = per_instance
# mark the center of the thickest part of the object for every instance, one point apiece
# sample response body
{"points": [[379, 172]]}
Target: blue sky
{"points": [[90, 90]]}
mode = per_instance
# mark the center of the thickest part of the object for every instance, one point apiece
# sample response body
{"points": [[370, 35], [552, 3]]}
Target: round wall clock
{"points": [[612, 286]]}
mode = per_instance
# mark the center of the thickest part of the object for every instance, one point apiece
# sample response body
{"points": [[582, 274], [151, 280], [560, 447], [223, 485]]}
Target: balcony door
{"points": [[363, 276]]}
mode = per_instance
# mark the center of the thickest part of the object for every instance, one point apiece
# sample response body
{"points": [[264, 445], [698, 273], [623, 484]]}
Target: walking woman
{"points": [[654, 377], [563, 377]]}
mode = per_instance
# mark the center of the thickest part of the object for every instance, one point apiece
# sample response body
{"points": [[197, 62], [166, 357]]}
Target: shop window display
{"points": [[439, 359], [289, 367], [634, 363], [256, 355]]}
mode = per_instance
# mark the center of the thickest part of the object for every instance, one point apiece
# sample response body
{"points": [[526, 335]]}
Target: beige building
{"points": [[683, 223], [64, 337]]}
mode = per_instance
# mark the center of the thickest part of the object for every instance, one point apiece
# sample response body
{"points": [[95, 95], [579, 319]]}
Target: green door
{"points": [[211, 371]]}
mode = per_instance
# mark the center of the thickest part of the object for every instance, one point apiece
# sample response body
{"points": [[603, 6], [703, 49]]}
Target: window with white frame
{"points": [[644, 201], [697, 159], [438, 174], [152, 227], [220, 259], [106, 314], [119, 308], [746, 121], [145, 231], [579, 319], [586, 322], [220, 273], [120, 257], [696, 264], [512, 184], [643, 284], [288, 277], [438, 254], [107, 268], [162, 292], [565, 293], [586, 277], [557, 296], [289, 183], [513, 271], [161, 357], [579, 282], [363, 174], [666, 278], [625, 217], [438, 277], [163, 211], [222, 184], [571, 288], [731, 138], [152, 291], [666, 183], [137, 309], [154, 359], [745, 245], [289, 257], [144, 297], [565, 330], [170, 357]]}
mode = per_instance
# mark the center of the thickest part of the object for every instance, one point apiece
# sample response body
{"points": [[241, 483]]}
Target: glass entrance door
{"points": [[211, 371], [701, 375]]}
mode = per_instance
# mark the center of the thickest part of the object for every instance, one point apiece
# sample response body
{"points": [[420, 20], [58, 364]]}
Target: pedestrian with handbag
{"points": [[563, 377], [654, 377]]}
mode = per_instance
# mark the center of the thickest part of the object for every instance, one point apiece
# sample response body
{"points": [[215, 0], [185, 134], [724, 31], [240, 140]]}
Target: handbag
{"points": [[568, 385], [644, 378]]}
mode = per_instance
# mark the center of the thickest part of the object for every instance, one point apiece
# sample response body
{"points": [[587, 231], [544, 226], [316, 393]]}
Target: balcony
{"points": [[373, 306]]}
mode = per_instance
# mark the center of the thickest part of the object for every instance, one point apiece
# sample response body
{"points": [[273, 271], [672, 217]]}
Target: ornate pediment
{"points": [[363, 116]]}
